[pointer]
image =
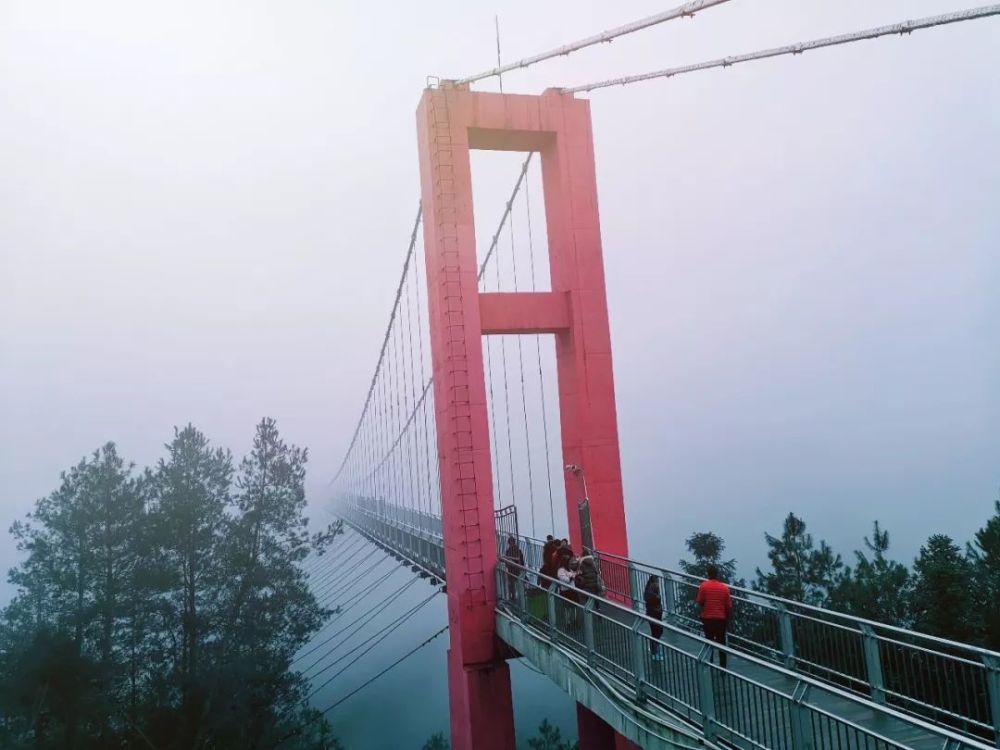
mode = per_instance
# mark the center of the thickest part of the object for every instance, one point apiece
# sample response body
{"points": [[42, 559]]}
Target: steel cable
{"points": [[391, 628]]}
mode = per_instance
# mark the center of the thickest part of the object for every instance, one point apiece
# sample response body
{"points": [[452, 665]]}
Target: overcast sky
{"points": [[203, 207]]}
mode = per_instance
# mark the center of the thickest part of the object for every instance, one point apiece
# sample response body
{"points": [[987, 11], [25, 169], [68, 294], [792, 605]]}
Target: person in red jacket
{"points": [[716, 606]]}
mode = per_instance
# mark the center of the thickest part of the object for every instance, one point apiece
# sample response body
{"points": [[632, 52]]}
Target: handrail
{"points": [[939, 680], [754, 594], [936, 680], [706, 645]]}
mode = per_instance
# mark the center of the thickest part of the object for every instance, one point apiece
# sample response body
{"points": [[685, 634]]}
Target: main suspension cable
{"points": [[905, 27], [686, 10]]}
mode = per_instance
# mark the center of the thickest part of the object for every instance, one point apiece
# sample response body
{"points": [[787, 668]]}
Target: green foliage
{"points": [[941, 592], [550, 738], [984, 556], [707, 549], [162, 608], [877, 588], [799, 571], [437, 741]]}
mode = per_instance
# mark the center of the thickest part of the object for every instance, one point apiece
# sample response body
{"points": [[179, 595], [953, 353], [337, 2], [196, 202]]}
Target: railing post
{"points": [[635, 592], [550, 602], [588, 630], [873, 663], [785, 637], [706, 695], [801, 734], [638, 660], [522, 592], [992, 664]]}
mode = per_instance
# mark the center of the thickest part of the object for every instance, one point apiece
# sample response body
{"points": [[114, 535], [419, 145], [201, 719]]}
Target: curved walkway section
{"points": [[797, 676]]}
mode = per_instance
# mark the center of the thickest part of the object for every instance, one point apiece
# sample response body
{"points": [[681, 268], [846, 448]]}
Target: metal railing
{"points": [[947, 683], [788, 710], [953, 684]]}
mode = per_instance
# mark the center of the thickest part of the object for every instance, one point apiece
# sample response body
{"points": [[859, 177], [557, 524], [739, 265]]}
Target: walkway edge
{"points": [[565, 672]]}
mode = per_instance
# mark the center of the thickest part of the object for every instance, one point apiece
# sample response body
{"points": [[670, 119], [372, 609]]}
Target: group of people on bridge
{"points": [[581, 573]]}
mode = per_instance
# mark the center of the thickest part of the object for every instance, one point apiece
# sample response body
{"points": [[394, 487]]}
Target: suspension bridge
{"points": [[491, 412]]}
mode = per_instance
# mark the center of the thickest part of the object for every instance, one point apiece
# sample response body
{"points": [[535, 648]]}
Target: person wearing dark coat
{"points": [[654, 610], [548, 567], [589, 580], [514, 558]]}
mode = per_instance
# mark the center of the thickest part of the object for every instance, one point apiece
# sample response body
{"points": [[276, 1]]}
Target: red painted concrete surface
{"points": [[450, 122]]}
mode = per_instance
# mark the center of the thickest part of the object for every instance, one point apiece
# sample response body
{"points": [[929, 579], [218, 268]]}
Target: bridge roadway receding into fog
{"points": [[797, 678]]}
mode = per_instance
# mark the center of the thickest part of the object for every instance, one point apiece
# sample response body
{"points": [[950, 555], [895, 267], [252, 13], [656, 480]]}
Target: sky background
{"points": [[204, 206]]}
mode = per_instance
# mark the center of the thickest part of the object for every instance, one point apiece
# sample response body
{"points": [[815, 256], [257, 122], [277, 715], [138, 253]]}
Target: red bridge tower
{"points": [[451, 120]]}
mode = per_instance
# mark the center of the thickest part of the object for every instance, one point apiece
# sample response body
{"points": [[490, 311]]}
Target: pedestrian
{"points": [[549, 562], [589, 580], [547, 569], [547, 549], [566, 574], [716, 604], [515, 565], [559, 548], [654, 610]]}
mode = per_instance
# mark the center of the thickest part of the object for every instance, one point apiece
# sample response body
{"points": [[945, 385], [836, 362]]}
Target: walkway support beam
{"points": [[451, 121]]}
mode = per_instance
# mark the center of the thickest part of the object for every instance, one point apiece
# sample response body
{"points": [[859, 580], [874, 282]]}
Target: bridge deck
{"points": [[729, 694], [755, 703]]}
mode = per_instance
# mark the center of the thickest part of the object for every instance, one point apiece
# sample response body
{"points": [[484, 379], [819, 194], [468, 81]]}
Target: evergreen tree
{"points": [[191, 489], [707, 549], [984, 554], [270, 611], [73, 588], [941, 596], [160, 609], [437, 741], [799, 571], [550, 738], [877, 588]]}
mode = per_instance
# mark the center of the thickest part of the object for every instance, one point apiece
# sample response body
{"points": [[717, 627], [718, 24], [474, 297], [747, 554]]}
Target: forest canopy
{"points": [[162, 608]]}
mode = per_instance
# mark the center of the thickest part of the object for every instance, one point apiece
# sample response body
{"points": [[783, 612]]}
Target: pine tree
{"points": [[73, 588], [877, 588], [191, 489], [984, 554], [270, 611], [550, 738], [707, 549], [941, 596], [799, 571], [437, 741], [124, 630]]}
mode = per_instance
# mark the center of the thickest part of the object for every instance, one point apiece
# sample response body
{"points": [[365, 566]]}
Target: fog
{"points": [[204, 206]]}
